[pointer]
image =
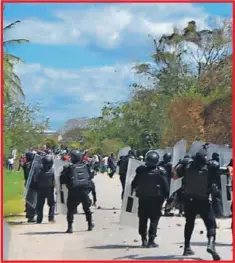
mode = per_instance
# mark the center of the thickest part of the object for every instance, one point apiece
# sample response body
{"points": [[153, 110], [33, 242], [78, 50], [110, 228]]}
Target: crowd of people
{"points": [[151, 184]]}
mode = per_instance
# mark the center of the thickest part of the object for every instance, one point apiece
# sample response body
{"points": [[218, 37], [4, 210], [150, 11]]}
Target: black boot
{"points": [[187, 249], [211, 248], [31, 220], [90, 226], [39, 220], [151, 243], [144, 241], [70, 229]]}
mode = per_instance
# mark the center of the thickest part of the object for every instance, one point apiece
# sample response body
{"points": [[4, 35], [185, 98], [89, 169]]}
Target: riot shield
{"points": [[61, 190], [123, 152], [176, 184], [168, 150], [160, 152], [213, 148], [179, 151], [225, 155], [129, 216], [226, 192], [30, 195], [195, 147]]}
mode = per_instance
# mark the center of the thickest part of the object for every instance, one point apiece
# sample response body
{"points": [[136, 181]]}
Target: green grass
{"points": [[13, 188]]}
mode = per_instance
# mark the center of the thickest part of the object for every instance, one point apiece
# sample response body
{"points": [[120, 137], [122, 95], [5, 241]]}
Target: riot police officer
{"points": [[166, 163], [151, 186], [214, 164], [197, 188], [123, 166], [30, 212], [178, 171], [77, 178], [45, 183]]}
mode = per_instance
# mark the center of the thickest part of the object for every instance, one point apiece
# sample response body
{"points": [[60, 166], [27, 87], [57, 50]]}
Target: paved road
{"points": [[109, 240]]}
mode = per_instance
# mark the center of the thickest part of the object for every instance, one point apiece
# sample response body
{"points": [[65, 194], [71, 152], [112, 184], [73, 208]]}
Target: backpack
{"points": [[196, 182], [80, 176], [46, 178]]}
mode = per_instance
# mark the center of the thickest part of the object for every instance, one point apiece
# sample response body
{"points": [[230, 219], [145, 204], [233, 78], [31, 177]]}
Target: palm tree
{"points": [[12, 84]]}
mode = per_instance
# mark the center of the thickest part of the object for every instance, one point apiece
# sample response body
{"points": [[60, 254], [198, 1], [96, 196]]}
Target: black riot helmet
{"points": [[76, 156], [131, 153], [215, 156], [29, 156], [167, 157], [151, 159], [47, 162], [201, 157]]}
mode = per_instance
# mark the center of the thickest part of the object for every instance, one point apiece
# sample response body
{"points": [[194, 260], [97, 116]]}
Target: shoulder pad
{"points": [[161, 169], [213, 163], [186, 161], [67, 165], [140, 167]]}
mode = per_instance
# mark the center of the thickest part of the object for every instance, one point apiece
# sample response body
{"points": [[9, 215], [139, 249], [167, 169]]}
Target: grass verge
{"points": [[13, 189]]}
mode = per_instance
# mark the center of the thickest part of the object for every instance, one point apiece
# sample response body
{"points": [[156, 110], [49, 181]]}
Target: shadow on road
{"points": [[204, 244], [15, 223], [168, 257], [108, 209], [48, 233], [114, 247]]}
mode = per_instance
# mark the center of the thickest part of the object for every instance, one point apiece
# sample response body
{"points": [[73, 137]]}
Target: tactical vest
{"points": [[124, 165], [46, 178], [80, 176], [196, 182], [150, 183]]}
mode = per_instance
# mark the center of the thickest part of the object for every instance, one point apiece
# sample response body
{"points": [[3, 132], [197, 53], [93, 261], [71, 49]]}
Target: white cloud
{"points": [[110, 26], [65, 94]]}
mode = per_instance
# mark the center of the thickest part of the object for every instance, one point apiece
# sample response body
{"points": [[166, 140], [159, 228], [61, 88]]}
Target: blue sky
{"points": [[81, 55]]}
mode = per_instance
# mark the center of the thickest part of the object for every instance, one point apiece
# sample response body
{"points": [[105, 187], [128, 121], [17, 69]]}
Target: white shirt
{"points": [[11, 160], [105, 160]]}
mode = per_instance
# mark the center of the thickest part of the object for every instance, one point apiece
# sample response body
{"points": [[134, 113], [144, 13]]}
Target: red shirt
{"points": [[85, 158]]}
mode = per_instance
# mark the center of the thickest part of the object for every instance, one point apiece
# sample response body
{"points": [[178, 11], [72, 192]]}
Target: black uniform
{"points": [[93, 191], [77, 178], [45, 183], [180, 173], [111, 165], [167, 165], [152, 188], [123, 166], [30, 211], [216, 187], [197, 188]]}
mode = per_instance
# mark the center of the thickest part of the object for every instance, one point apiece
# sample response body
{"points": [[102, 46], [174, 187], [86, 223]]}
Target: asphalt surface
{"points": [[109, 240]]}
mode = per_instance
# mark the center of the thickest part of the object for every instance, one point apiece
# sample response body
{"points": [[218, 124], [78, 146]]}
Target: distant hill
{"points": [[75, 123]]}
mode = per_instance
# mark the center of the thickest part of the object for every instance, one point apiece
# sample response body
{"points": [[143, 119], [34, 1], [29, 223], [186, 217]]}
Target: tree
{"points": [[51, 142], [187, 93], [22, 129], [181, 58], [73, 138], [12, 84]]}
